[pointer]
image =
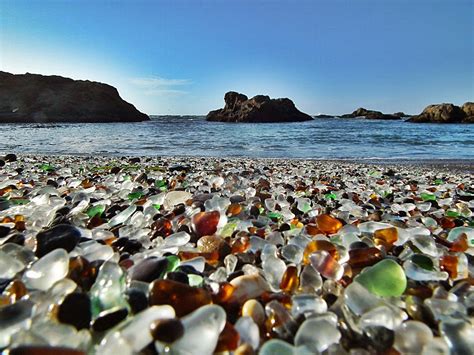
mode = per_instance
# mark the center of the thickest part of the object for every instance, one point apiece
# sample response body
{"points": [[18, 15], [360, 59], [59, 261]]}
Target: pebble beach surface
{"points": [[110, 255]]}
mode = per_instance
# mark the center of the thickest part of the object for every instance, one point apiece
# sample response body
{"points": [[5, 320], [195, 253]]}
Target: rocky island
{"points": [[259, 109], [446, 113], [33, 98], [373, 115]]}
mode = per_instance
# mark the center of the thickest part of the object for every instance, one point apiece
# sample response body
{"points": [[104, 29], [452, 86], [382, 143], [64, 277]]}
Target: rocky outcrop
{"points": [[258, 109], [43, 99], [323, 115], [446, 113], [370, 114]]}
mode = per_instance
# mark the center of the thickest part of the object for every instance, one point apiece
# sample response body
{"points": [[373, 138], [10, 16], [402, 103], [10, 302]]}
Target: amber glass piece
{"points": [[211, 258], [317, 245], [328, 224], [449, 263], [359, 258], [183, 298], [224, 293], [312, 229], [447, 223], [228, 339], [240, 245], [15, 291], [234, 209], [386, 237], [244, 349], [209, 243], [7, 219], [290, 281], [205, 223], [86, 183], [82, 272], [422, 292], [162, 228], [296, 223], [460, 244], [283, 298]]}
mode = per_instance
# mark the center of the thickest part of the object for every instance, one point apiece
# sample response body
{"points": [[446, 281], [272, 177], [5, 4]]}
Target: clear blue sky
{"points": [[181, 56]]}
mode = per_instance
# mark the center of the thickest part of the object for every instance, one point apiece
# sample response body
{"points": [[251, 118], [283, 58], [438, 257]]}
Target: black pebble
{"points": [[149, 269], [61, 236], [76, 310], [137, 300], [10, 157], [109, 319], [178, 276], [4, 231]]}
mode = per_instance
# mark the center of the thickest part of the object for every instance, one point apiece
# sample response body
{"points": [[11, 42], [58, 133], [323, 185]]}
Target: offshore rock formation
{"points": [[43, 99], [446, 113], [371, 115], [258, 109]]}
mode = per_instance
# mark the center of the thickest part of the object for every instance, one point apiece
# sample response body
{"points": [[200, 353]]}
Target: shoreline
{"points": [[217, 243]]}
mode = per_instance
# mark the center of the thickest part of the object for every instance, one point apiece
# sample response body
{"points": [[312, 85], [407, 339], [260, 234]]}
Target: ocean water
{"points": [[331, 138]]}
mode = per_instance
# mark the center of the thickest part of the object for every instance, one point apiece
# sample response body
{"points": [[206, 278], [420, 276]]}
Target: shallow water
{"points": [[192, 136]]}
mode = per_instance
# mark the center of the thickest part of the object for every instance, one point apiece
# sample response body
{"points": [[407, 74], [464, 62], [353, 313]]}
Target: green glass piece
{"points": [[274, 215], [427, 197], [423, 261], [330, 196], [451, 213], [135, 195], [195, 280], [96, 210], [438, 181], [19, 201], [160, 183], [157, 206], [261, 210], [46, 167], [228, 229], [173, 263], [386, 278]]}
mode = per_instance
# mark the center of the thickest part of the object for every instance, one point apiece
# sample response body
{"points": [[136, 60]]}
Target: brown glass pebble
{"points": [[183, 298], [167, 330]]}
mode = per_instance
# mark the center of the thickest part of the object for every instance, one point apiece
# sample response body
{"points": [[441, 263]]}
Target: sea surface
{"points": [[332, 138]]}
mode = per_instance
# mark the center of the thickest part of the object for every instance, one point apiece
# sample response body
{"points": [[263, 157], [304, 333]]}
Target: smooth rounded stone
{"points": [[108, 290], [174, 198], [75, 310], [359, 299], [274, 268], [326, 265], [316, 335], [249, 331], [458, 334], [176, 240], [247, 287], [411, 337], [205, 223], [44, 350], [4, 231], [415, 272], [63, 236], [310, 280], [10, 157], [183, 298], [201, 332], [167, 330], [109, 319], [9, 266], [307, 305], [277, 346], [149, 269], [13, 318], [131, 337], [386, 278], [137, 300], [437, 346], [381, 316], [51, 268], [254, 309], [293, 253], [122, 216]]}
